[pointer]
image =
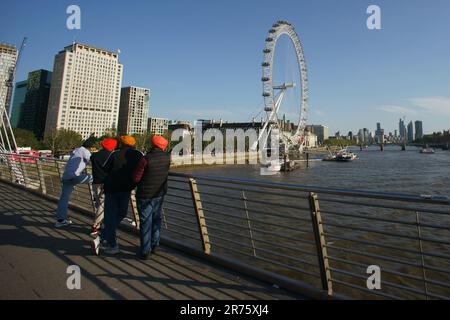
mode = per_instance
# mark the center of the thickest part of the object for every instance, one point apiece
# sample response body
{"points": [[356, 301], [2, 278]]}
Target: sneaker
{"points": [[112, 250], [62, 223], [95, 244], [94, 231], [143, 256]]}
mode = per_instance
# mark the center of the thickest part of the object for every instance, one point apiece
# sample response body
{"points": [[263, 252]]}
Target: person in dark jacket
{"points": [[118, 185], [151, 177], [98, 161]]}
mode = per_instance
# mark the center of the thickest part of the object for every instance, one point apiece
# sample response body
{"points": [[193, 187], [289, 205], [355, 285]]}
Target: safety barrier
{"points": [[358, 244]]}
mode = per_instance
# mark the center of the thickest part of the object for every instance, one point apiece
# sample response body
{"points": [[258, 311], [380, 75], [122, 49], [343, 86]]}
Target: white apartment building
{"points": [[8, 57], [158, 126], [85, 90], [134, 108]]}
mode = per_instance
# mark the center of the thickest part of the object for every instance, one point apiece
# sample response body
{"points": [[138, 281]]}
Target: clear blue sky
{"points": [[202, 59]]}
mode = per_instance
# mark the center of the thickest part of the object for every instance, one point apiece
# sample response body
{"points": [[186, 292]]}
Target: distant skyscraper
{"points": [[366, 134], [410, 132], [402, 129], [8, 57], [379, 133], [85, 90], [419, 129], [350, 135], [361, 135], [19, 98], [31, 112], [134, 107]]}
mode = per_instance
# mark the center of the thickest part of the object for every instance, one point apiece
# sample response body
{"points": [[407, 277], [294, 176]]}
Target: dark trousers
{"points": [[150, 222], [116, 208]]}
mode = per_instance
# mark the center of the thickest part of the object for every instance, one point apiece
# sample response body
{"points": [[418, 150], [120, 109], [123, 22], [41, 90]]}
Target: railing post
{"points": [[200, 216], [324, 267], [422, 260], [248, 223], [164, 218], [24, 173], [11, 170], [41, 177], [59, 170]]}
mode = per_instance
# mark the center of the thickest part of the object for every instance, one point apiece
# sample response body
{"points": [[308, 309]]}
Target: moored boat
{"points": [[427, 150], [341, 156]]}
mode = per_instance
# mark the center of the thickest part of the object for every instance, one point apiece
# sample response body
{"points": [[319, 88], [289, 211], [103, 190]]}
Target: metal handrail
{"points": [[283, 221]]}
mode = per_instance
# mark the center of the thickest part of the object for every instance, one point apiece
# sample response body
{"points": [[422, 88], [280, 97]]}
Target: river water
{"points": [[392, 170]]}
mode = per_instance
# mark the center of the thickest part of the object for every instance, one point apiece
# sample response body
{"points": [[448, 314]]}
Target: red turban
{"points": [[109, 144], [160, 142]]}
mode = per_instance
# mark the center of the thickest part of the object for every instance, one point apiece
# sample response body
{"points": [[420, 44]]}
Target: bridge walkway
{"points": [[34, 257]]}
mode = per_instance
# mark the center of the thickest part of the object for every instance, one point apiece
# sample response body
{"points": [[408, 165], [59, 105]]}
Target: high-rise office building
{"points": [[321, 131], [366, 135], [30, 110], [350, 135], [360, 136], [85, 90], [410, 132], [158, 126], [19, 98], [134, 108], [419, 129], [402, 129], [8, 58], [379, 133]]}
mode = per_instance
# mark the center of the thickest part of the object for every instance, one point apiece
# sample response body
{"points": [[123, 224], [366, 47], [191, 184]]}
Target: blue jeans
{"points": [[116, 208], [67, 188], [150, 222]]}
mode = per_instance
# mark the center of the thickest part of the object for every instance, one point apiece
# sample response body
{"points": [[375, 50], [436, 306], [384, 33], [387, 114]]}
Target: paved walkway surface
{"points": [[34, 257]]}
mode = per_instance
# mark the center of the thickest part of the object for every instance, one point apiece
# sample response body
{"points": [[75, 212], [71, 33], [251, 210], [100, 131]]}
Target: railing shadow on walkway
{"points": [[27, 223]]}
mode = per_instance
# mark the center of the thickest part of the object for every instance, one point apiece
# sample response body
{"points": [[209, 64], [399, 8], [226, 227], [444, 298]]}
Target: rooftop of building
{"points": [[8, 48], [156, 118], [135, 87], [88, 46]]}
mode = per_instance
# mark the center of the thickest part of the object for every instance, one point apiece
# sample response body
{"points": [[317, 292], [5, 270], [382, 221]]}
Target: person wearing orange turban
{"points": [[128, 141], [98, 159], [151, 179], [118, 185]]}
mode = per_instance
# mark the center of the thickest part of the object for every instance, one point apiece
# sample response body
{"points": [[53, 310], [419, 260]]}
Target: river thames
{"points": [[392, 170]]}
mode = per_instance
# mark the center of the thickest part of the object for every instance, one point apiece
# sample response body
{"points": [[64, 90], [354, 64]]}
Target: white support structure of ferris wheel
{"points": [[274, 94]]}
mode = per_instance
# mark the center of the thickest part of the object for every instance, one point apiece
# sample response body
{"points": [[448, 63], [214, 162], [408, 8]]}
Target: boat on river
{"points": [[341, 156], [427, 150]]}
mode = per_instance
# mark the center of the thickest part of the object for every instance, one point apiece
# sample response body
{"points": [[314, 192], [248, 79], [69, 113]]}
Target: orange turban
{"points": [[128, 141], [160, 142]]}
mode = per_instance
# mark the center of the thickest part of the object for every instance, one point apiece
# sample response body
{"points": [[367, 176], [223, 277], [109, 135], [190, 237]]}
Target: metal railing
{"points": [[324, 237]]}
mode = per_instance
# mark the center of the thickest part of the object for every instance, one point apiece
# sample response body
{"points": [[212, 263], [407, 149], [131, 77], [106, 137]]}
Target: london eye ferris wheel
{"points": [[273, 93]]}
